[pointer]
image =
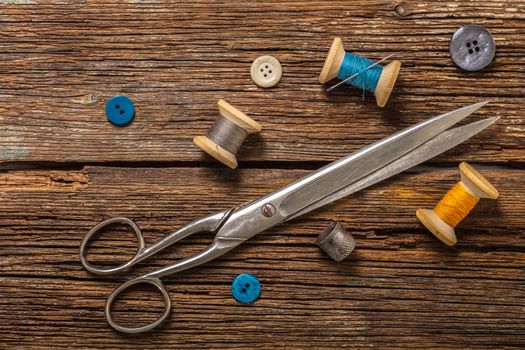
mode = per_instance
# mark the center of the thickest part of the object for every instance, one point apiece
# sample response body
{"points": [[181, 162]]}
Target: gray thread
{"points": [[227, 134]]}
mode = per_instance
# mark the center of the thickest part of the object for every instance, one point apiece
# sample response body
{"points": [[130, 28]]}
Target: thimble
{"points": [[337, 242]]}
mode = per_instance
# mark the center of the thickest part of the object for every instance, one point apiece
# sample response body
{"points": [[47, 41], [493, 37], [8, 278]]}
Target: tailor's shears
{"points": [[347, 175]]}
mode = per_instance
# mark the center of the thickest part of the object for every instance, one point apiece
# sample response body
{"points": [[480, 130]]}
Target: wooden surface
{"points": [[64, 168]]}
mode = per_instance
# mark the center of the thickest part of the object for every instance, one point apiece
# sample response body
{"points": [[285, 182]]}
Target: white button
{"points": [[266, 71]]}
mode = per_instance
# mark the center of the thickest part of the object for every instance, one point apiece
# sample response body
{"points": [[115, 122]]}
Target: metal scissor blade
{"points": [[341, 173], [439, 144]]}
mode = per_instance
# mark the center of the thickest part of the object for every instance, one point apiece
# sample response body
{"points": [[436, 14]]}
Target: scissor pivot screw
{"points": [[268, 210]]}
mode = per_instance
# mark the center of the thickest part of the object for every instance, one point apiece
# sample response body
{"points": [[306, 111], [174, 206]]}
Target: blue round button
{"points": [[120, 110], [246, 288]]}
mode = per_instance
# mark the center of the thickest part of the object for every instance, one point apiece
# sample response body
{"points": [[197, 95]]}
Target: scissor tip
{"points": [[481, 124], [494, 119], [467, 110], [478, 105]]}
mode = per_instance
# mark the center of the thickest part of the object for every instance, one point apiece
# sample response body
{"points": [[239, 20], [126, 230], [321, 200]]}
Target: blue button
{"points": [[246, 288], [120, 110]]}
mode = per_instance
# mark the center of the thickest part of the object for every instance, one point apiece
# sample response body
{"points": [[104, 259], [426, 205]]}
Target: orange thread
{"points": [[455, 205]]}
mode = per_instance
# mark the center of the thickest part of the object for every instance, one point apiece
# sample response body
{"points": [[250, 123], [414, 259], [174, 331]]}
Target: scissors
{"points": [[345, 176]]}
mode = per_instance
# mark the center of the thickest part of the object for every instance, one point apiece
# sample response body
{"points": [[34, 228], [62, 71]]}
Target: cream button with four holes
{"points": [[266, 71]]}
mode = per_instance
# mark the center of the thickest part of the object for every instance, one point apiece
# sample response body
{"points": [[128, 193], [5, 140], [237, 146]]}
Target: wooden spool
{"points": [[472, 182], [234, 128], [386, 82]]}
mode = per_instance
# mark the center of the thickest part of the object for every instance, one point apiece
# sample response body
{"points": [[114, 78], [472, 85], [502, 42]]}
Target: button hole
{"points": [[477, 49], [247, 285], [117, 106], [269, 71], [468, 44], [265, 75], [266, 66], [244, 290], [475, 42], [470, 51], [121, 111]]}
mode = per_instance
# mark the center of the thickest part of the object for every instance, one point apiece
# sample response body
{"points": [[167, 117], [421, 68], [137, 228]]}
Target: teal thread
{"points": [[367, 79]]}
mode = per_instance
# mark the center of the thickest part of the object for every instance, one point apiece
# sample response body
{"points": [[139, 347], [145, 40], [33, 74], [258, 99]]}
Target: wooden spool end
{"points": [[386, 82], [477, 183], [474, 183], [238, 118], [333, 61], [438, 227], [216, 151]]}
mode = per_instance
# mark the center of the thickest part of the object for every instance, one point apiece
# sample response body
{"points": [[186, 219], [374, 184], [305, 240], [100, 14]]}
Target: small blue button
{"points": [[246, 288], [120, 110]]}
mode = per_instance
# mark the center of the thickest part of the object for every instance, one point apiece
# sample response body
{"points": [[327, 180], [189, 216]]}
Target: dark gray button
{"points": [[472, 47]]}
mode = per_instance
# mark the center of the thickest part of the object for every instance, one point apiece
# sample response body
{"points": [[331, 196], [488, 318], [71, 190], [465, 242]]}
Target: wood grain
{"points": [[401, 287], [64, 168], [61, 61]]}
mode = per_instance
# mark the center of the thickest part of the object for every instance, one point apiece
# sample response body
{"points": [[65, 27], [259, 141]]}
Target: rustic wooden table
{"points": [[65, 168]]}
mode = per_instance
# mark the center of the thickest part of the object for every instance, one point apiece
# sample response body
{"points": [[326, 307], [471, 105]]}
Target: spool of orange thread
{"points": [[456, 204]]}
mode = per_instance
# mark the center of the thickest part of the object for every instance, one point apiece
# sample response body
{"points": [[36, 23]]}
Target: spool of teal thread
{"points": [[366, 79], [378, 80]]}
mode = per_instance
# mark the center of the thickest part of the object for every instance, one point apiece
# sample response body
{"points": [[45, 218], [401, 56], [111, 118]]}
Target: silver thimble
{"points": [[337, 242]]}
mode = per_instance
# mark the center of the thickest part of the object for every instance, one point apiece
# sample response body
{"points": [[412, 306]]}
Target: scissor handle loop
{"points": [[95, 230], [147, 280]]}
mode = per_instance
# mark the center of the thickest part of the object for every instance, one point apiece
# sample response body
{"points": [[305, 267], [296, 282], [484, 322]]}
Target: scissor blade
{"points": [[439, 144], [341, 173]]}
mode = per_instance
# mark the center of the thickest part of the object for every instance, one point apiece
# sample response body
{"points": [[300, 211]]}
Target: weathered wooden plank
{"points": [[62, 60], [400, 288]]}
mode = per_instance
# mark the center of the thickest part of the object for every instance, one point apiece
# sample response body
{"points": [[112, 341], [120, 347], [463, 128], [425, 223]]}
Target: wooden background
{"points": [[64, 168]]}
